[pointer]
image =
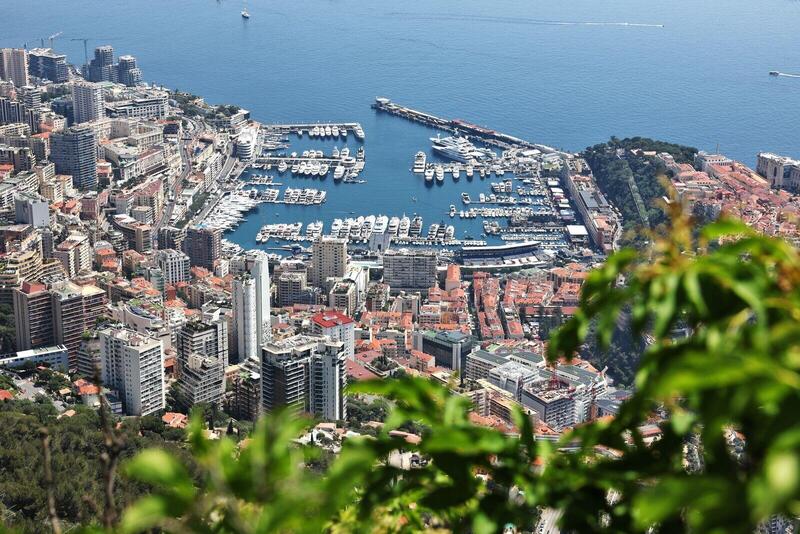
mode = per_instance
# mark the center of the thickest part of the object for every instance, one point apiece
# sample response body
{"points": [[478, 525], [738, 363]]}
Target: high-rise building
{"points": [[251, 309], [127, 71], [244, 401], [31, 209], [74, 153], [305, 374], [203, 246], [200, 379], [409, 270], [133, 365], [44, 63], [75, 311], [449, 349], [101, 68], [33, 316], [75, 254], [328, 370], [171, 237], [31, 97], [14, 65], [336, 326], [328, 260], [87, 102], [244, 317], [174, 265], [207, 337]]}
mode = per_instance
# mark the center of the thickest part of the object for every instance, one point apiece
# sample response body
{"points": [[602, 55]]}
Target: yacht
{"points": [[344, 153], [405, 224], [303, 168], [359, 132], [314, 132], [439, 173], [470, 171], [295, 168], [336, 227], [419, 162], [328, 131], [465, 198], [305, 153], [379, 224], [282, 167], [338, 172], [416, 227], [360, 153], [429, 174], [335, 131], [394, 225], [449, 232], [456, 173], [433, 230], [245, 13], [335, 153], [456, 148], [343, 132], [452, 211], [323, 170], [314, 229]]}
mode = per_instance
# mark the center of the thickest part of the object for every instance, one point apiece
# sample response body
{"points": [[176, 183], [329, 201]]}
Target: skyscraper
{"points": [[328, 259], [174, 264], [47, 65], [133, 365], [244, 317], [203, 246], [260, 271], [101, 67], [33, 316], [75, 310], [87, 102], [14, 65], [328, 378], [74, 153], [127, 71]]}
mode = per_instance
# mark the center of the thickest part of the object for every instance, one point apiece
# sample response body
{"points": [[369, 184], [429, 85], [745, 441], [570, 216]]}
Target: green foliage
{"points": [[7, 329], [633, 182]]}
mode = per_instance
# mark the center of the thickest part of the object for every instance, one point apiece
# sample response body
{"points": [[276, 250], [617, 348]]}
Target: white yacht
{"points": [[344, 153], [394, 225], [439, 173], [405, 224], [429, 174], [419, 163], [282, 167], [456, 173], [452, 211], [328, 131], [335, 153], [335, 131], [381, 223], [470, 171], [323, 170], [338, 172]]}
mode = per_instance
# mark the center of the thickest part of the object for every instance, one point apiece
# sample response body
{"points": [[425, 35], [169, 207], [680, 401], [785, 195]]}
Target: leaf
{"points": [[146, 513]]}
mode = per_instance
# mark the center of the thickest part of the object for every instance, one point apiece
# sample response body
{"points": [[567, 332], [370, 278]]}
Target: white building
{"points": [[336, 326], [251, 309], [174, 265], [328, 378], [133, 365], [87, 102]]}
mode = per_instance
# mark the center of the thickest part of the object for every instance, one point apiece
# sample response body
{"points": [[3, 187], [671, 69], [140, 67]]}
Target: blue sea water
{"points": [[530, 68]]}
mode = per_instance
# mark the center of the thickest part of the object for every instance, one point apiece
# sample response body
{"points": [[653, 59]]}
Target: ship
{"points": [[774, 73], [429, 174], [459, 149], [245, 13], [416, 227], [439, 173], [419, 163]]}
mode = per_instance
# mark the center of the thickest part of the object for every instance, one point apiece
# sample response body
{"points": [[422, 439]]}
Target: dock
{"points": [[485, 135], [299, 129]]}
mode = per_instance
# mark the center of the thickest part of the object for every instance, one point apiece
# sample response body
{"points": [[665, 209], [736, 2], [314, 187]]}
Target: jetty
{"points": [[485, 135]]}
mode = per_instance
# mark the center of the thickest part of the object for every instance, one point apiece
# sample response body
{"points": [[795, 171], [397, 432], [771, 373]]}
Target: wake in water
{"points": [[518, 20], [786, 75]]}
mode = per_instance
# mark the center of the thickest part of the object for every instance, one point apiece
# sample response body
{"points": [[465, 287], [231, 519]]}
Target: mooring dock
{"points": [[485, 135]]}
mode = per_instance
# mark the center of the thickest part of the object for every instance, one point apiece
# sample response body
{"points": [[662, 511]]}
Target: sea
{"points": [[566, 74]]}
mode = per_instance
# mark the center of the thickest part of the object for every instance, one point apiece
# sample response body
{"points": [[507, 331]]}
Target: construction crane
{"points": [[86, 46], [53, 38]]}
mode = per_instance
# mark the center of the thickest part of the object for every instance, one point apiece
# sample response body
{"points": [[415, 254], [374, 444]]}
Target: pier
{"points": [[344, 128], [485, 135]]}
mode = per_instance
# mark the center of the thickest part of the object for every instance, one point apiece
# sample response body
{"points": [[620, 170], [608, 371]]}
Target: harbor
{"points": [[474, 188]]}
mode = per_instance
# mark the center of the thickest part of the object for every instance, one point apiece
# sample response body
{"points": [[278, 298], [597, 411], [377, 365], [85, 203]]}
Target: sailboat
{"points": [[245, 13]]}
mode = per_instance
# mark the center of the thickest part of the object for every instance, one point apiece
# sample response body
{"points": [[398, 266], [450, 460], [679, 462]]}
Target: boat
{"points": [[429, 174], [282, 167], [394, 225], [305, 153], [360, 153], [313, 132], [328, 131], [456, 173], [245, 13], [338, 172], [359, 132], [457, 148], [416, 227], [433, 230], [774, 73], [344, 153], [343, 133], [381, 223], [452, 211], [323, 171], [449, 232], [470, 171], [335, 131], [439, 173], [335, 153], [419, 162], [465, 198], [403, 228]]}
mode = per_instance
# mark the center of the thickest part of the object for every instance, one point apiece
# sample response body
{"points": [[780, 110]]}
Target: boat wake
{"points": [[787, 75], [518, 20]]}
